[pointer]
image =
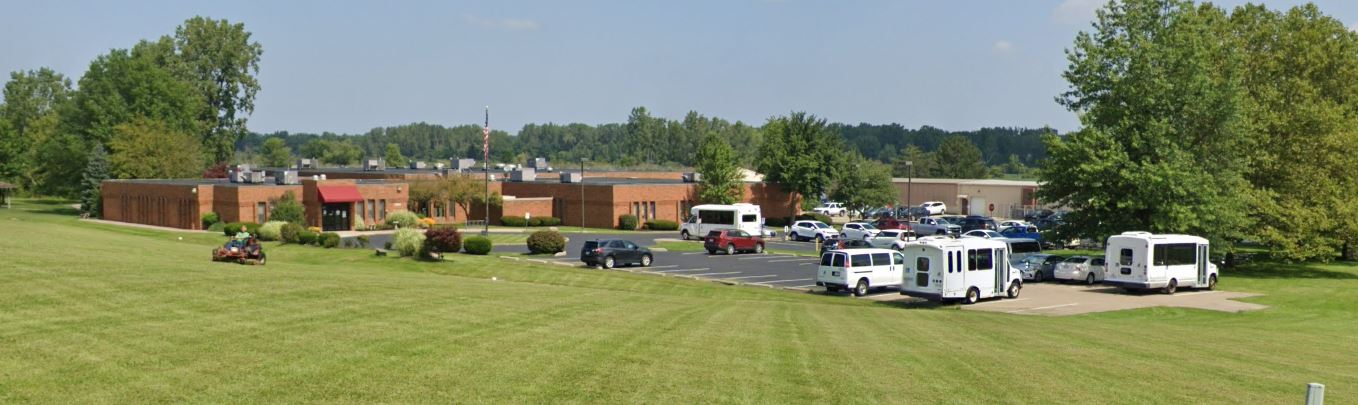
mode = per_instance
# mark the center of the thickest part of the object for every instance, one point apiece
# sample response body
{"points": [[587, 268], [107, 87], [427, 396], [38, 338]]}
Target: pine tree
{"points": [[96, 171]]}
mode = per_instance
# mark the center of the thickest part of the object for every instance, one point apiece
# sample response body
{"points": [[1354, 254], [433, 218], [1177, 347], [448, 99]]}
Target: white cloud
{"points": [[1003, 46], [507, 24], [1353, 27], [1076, 11]]}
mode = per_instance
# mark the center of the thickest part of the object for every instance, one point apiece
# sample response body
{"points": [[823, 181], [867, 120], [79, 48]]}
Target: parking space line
{"points": [[803, 286], [790, 260], [1040, 308], [760, 257], [664, 267], [692, 253], [783, 281], [745, 277], [697, 269], [807, 264], [1195, 293], [999, 301], [715, 274]]}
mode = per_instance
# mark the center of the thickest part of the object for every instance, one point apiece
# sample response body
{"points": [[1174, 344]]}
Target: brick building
{"points": [[181, 203]]}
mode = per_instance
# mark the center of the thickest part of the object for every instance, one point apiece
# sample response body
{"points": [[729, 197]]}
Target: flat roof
{"points": [[969, 182], [224, 183]]}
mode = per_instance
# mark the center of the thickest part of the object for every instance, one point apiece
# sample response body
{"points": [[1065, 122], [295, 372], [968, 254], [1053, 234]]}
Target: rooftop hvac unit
{"points": [[571, 177], [463, 164], [285, 177], [692, 177], [374, 165], [306, 163], [254, 177], [538, 163], [417, 165], [244, 167], [524, 174], [438, 166]]}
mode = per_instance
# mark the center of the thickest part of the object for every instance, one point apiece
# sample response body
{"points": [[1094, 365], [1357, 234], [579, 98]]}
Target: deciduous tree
{"points": [[719, 175], [147, 149]]}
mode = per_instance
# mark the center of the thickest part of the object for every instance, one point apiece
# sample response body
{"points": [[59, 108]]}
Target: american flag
{"points": [[485, 136]]}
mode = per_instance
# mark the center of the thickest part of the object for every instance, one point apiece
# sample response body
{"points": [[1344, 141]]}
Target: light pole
{"points": [[582, 193], [909, 187], [485, 165]]}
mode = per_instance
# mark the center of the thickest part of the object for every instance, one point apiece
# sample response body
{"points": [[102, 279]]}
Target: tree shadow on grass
{"points": [[1292, 271]]}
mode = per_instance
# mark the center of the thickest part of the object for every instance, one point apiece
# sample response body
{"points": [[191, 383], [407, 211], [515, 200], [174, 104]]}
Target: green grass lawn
{"points": [[100, 313]]}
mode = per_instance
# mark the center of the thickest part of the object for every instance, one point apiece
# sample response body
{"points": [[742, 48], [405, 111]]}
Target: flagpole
{"points": [[485, 164]]}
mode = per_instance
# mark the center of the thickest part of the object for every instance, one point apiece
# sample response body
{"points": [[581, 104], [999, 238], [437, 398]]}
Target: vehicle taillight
{"points": [[598, 250]]}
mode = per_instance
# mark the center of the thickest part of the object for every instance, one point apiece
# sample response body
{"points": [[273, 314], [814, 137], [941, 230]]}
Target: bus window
{"points": [[922, 264], [1125, 257], [749, 218], [950, 262], [1025, 247], [717, 217], [980, 259]]}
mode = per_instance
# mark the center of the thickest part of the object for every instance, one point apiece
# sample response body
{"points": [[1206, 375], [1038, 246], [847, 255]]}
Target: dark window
{"points": [[1097, 262], [652, 209], [382, 210], [714, 234], [1125, 257], [980, 259], [826, 259], [362, 209], [717, 217], [881, 259], [591, 245], [1176, 254], [922, 264], [862, 260], [261, 212], [1025, 247], [616, 244], [749, 218], [900, 258], [839, 261], [629, 245], [950, 264]]}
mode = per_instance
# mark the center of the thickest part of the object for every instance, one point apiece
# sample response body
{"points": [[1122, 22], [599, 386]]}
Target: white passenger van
{"points": [[1141, 260], [863, 269], [968, 268], [708, 217]]}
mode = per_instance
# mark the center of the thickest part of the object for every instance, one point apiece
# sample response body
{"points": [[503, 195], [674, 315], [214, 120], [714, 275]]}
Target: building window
{"points": [[361, 210], [452, 209], [645, 211], [372, 210], [652, 209], [382, 210], [438, 209], [636, 209], [261, 212]]}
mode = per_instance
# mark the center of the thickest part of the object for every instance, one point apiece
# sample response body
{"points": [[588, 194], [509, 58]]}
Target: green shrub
{"points": [[217, 227], [443, 240], [546, 242], [627, 222], [513, 221], [407, 241], [477, 245], [362, 241], [271, 231], [534, 221], [403, 219], [358, 223], [662, 225], [210, 219], [288, 209], [551, 221], [290, 233], [330, 240], [814, 216], [306, 237], [776, 222], [232, 228]]}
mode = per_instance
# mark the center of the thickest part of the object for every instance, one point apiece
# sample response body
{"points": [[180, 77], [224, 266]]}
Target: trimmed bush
{"points": [[307, 237], [627, 222], [814, 216], [477, 245], [315, 229], [330, 240], [662, 225], [216, 227], [232, 228], [290, 233], [546, 242], [271, 231], [403, 219], [534, 221], [210, 219], [362, 241], [513, 221], [551, 221], [775, 222], [407, 241], [288, 209], [443, 240]]}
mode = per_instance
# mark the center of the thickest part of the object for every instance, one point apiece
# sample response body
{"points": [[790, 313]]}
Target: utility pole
{"points": [[909, 187], [485, 165], [582, 193]]}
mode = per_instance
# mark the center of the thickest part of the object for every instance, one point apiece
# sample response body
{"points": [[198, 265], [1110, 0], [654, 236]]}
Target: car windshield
{"points": [[821, 225], [714, 234], [869, 226], [1077, 259]]}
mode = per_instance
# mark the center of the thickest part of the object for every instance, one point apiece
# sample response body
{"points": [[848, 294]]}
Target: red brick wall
{"points": [[171, 205], [238, 202]]}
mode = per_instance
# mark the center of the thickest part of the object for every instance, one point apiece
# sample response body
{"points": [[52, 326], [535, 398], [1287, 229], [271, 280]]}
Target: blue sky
{"points": [[351, 66]]}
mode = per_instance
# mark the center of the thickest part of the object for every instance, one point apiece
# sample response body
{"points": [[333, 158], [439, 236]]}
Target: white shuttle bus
{"points": [[1142, 260], [966, 268], [708, 217]]}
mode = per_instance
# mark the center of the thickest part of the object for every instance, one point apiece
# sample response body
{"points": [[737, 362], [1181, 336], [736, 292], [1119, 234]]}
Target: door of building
{"points": [[335, 217]]}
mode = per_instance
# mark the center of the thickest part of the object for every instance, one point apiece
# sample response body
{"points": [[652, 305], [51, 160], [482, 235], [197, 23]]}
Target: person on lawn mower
{"points": [[241, 238], [252, 247]]}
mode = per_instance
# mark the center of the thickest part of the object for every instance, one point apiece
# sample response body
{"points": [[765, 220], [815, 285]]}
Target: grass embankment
{"points": [[98, 313]]}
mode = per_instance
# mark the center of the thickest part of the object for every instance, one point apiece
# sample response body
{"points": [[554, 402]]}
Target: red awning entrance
{"points": [[339, 194]]}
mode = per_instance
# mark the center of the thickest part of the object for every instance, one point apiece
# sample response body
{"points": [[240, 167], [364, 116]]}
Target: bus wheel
{"points": [[1212, 282], [973, 295], [1014, 289], [861, 289], [1172, 286], [683, 235]]}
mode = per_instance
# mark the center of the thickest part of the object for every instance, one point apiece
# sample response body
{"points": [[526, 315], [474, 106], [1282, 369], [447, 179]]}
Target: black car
{"points": [[613, 252], [839, 243], [974, 222]]}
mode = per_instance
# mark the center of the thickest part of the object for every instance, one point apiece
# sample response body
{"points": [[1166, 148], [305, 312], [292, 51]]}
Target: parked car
{"points": [[1021, 231], [1036, 215], [972, 222], [1012, 223], [1039, 267], [860, 270], [1080, 268], [859, 230], [732, 241], [879, 212], [892, 238], [982, 233], [842, 244], [934, 207], [911, 212], [885, 223], [831, 208], [935, 226], [608, 253], [807, 230]]}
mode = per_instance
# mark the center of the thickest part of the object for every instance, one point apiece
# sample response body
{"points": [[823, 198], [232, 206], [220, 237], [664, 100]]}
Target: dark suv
{"points": [[732, 241], [608, 253], [974, 222]]}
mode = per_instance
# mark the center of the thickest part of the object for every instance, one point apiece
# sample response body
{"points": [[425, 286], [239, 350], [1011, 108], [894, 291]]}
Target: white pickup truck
{"points": [[833, 209], [934, 226]]}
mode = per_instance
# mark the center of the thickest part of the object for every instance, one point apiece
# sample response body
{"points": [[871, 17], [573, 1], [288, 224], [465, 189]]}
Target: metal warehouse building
{"points": [[1009, 198]]}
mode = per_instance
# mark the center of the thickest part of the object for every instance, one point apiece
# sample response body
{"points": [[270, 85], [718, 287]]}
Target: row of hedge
{"points": [[438, 240], [532, 221], [629, 222]]}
